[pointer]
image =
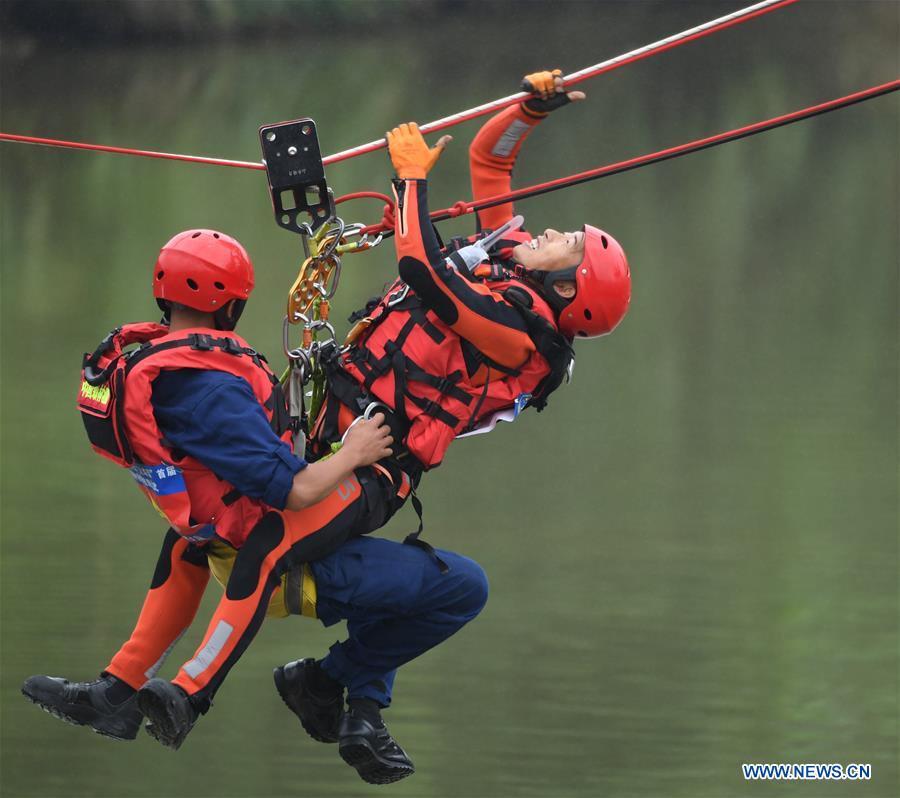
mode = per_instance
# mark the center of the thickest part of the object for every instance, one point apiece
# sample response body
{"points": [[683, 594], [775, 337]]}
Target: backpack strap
{"points": [[553, 346]]}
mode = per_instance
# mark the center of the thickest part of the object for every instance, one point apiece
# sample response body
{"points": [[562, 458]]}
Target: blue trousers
{"points": [[397, 605]]}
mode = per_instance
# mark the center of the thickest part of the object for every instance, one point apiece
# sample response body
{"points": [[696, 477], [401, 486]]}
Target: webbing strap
{"points": [[473, 419], [202, 343], [431, 408], [413, 539]]}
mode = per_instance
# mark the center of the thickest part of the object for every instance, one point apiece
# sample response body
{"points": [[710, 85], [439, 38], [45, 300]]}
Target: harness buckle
{"points": [[430, 407], [444, 385], [232, 347], [201, 342]]}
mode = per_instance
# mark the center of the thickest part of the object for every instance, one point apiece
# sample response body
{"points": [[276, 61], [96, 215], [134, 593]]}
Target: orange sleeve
{"points": [[471, 310], [492, 156]]}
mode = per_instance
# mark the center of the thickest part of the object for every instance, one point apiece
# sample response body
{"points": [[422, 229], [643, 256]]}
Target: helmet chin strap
{"points": [[167, 311], [223, 320], [545, 281]]}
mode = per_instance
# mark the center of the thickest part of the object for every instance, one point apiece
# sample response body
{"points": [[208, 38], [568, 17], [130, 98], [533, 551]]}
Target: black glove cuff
{"points": [[538, 106]]}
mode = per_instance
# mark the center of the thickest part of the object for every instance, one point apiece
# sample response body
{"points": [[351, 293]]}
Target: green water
{"points": [[693, 552]]}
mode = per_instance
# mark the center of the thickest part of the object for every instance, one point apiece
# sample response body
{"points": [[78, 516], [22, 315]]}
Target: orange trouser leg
{"points": [[175, 593], [277, 542]]}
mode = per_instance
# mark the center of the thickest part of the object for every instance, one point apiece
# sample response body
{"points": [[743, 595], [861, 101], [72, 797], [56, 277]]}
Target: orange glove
{"points": [[548, 92], [410, 155], [543, 84]]}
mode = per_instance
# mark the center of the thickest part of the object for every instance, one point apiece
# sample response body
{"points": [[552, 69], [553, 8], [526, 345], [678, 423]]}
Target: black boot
{"points": [[108, 705], [367, 745], [170, 713], [313, 696]]}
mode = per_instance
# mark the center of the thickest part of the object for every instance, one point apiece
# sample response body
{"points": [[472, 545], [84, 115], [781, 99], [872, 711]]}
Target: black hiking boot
{"points": [[367, 745], [108, 705], [169, 711], [312, 696]]}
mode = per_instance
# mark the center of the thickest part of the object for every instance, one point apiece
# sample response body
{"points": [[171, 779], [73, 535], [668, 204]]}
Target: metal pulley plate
{"points": [[300, 196]]}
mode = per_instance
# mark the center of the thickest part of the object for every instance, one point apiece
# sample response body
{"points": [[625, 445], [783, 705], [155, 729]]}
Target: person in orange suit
{"points": [[469, 333]]}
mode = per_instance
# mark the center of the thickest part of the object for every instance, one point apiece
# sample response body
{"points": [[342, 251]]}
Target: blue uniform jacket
{"points": [[215, 418]]}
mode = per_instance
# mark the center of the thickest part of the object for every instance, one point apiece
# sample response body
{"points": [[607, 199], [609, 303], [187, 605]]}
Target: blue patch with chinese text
{"points": [[162, 479]]}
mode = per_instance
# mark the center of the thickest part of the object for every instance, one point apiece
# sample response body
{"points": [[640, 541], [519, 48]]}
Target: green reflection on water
{"points": [[693, 553]]}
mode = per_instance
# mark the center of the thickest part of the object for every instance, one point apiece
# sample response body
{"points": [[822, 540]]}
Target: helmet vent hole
{"points": [[215, 235], [604, 242], [587, 314], [160, 275], [196, 235], [192, 285], [582, 333], [219, 285]]}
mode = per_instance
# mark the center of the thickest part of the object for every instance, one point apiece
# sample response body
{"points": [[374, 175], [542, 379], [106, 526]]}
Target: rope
{"points": [[170, 156], [676, 40], [363, 195], [661, 46], [461, 207]]}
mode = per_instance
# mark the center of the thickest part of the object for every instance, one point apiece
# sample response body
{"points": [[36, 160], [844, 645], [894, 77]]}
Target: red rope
{"points": [[692, 34], [171, 156], [363, 195], [463, 207]]}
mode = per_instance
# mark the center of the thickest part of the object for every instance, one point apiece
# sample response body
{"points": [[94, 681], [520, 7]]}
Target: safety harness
{"points": [[115, 406], [554, 347]]}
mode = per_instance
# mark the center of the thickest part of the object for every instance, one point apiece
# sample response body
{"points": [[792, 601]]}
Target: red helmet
{"points": [[603, 288], [202, 269]]}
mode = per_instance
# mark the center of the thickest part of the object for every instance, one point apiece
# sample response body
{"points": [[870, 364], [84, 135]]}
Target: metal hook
{"points": [[333, 237], [286, 335], [318, 324], [305, 234], [327, 293]]}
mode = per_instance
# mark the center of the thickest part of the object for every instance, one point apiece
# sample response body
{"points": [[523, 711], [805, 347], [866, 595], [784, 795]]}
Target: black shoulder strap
{"points": [[555, 348], [202, 343]]}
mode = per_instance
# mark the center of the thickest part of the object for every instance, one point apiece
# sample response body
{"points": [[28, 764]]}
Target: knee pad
{"points": [[164, 563], [261, 541]]}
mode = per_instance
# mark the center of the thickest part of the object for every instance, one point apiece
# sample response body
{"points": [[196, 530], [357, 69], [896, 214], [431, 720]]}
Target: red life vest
{"points": [[441, 384], [118, 415]]}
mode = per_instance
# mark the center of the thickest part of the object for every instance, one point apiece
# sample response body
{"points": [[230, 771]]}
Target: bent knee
{"points": [[472, 585], [248, 565]]}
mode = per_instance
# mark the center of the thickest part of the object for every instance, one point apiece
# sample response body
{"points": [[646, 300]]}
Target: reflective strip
{"points": [[511, 136], [152, 671], [210, 651]]}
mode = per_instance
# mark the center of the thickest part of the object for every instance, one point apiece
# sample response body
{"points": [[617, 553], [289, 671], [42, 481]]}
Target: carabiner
{"points": [[285, 333], [335, 277], [318, 324], [372, 407]]}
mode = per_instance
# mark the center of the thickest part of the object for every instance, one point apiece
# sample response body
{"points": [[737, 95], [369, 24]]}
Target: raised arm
{"points": [[493, 152], [472, 310]]}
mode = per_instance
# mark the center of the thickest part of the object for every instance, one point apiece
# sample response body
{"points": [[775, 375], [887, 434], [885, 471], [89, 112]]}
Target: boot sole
{"points": [[359, 754], [282, 687], [56, 712], [162, 725]]}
